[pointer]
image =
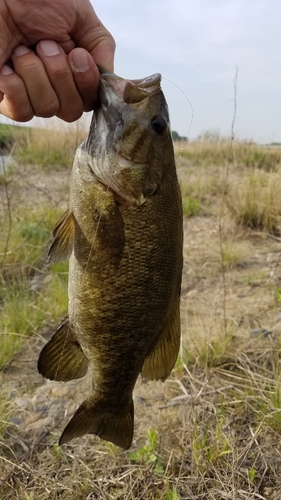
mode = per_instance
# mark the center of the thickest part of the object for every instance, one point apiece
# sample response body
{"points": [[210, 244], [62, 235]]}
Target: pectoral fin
{"points": [[91, 419], [161, 360], [62, 357], [63, 233]]}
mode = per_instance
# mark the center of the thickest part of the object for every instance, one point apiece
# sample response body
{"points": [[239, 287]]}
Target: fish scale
{"points": [[123, 235]]}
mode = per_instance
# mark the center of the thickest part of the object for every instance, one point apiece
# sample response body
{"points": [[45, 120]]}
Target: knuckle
{"points": [[22, 114], [25, 117], [70, 115], [47, 109], [61, 74]]}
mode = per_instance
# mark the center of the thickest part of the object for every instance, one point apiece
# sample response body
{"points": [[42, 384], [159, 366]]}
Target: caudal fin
{"points": [[90, 419]]}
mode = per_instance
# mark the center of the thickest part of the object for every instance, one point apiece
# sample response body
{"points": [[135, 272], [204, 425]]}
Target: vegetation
{"points": [[9, 135], [177, 137], [211, 149], [50, 148], [212, 431]]}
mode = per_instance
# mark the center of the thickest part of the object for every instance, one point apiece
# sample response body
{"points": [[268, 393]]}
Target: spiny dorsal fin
{"points": [[63, 233], [161, 360], [115, 427], [62, 357]]}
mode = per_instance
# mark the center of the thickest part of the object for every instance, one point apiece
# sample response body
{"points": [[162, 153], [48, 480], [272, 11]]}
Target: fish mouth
{"points": [[131, 90]]}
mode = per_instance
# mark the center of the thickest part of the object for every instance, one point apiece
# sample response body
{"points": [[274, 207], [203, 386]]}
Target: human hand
{"points": [[60, 78]]}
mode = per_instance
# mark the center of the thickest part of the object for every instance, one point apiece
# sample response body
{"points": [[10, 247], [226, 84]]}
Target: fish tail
{"points": [[89, 418]]}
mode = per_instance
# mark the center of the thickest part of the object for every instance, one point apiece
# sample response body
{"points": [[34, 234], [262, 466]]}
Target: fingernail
{"points": [[79, 60], [49, 48], [6, 70], [21, 50]]}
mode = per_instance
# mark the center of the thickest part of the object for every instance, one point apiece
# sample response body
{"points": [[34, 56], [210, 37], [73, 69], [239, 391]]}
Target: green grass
{"points": [[24, 312], [9, 135], [191, 206], [25, 240], [215, 425], [147, 454], [32, 294], [172, 495]]}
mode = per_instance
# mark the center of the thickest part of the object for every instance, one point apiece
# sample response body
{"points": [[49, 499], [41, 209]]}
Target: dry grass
{"points": [[254, 201], [50, 147], [212, 431], [217, 150]]}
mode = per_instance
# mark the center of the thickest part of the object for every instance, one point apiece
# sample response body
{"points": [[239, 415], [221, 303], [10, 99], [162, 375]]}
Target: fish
{"points": [[123, 236]]}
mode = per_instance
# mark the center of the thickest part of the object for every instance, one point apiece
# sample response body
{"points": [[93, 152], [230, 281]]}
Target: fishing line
{"points": [[191, 119], [180, 157]]}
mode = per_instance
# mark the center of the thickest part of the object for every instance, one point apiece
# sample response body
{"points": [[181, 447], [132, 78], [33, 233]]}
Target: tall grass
{"points": [[32, 294], [220, 151], [213, 430], [50, 147], [252, 192], [255, 201]]}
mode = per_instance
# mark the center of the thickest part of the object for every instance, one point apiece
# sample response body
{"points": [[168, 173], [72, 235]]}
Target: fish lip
{"points": [[144, 82], [130, 90]]}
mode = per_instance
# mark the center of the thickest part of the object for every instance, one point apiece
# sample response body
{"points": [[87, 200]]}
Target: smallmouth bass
{"points": [[123, 237]]}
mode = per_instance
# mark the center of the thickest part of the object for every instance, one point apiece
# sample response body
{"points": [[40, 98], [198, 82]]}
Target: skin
{"points": [[49, 53]]}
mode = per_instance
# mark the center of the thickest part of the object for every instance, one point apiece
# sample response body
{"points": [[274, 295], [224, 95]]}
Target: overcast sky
{"points": [[198, 44]]}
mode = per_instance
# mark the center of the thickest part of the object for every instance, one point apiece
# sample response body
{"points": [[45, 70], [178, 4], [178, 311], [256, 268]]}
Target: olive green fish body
{"points": [[123, 234]]}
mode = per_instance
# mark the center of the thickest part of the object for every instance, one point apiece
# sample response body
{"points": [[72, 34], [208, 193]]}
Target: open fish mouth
{"points": [[132, 91]]}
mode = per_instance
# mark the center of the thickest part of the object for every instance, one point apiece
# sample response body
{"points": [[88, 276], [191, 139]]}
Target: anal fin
{"points": [[62, 357], [161, 360], [63, 233], [90, 419]]}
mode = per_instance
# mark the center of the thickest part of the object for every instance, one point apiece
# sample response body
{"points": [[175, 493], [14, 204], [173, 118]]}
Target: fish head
{"points": [[129, 141]]}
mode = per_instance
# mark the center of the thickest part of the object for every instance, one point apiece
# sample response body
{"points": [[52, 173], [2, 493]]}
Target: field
{"points": [[212, 430]]}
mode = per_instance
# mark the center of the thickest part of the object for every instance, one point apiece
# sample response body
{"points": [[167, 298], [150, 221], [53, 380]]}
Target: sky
{"points": [[198, 44]]}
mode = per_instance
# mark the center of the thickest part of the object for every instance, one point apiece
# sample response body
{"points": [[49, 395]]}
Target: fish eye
{"points": [[159, 124]]}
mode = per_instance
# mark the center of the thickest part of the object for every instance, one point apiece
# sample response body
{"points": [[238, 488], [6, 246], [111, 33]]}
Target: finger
{"points": [[9, 34], [61, 78], [103, 53], [42, 96], [92, 35], [15, 103], [86, 76]]}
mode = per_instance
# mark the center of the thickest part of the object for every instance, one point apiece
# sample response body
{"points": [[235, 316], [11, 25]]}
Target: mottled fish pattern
{"points": [[123, 237]]}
